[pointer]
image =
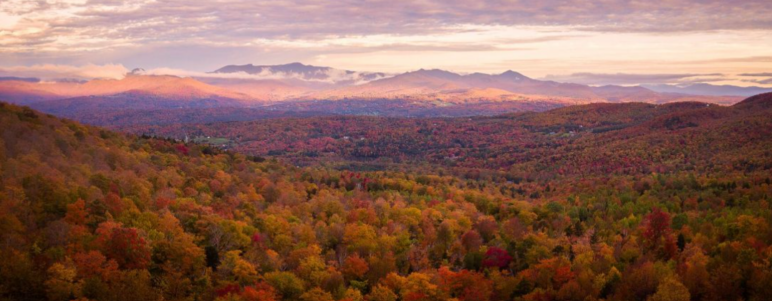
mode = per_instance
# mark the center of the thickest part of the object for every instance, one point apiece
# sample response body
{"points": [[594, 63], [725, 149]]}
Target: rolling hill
{"points": [[565, 140]]}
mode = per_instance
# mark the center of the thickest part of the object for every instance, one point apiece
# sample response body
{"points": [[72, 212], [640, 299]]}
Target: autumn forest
{"points": [[591, 202]]}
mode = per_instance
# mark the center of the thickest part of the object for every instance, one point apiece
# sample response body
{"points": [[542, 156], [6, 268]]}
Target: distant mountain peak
{"points": [[513, 75], [435, 73]]}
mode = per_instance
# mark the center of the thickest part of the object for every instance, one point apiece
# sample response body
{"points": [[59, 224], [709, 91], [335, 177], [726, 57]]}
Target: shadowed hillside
{"points": [[593, 139]]}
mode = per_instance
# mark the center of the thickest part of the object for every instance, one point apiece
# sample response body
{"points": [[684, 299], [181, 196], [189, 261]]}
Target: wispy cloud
{"points": [[330, 76], [747, 59], [50, 72], [635, 79], [767, 81], [396, 35], [92, 24], [763, 74]]}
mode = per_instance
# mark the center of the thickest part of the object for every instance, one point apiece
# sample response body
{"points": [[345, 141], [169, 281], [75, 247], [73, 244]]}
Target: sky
{"points": [[591, 42]]}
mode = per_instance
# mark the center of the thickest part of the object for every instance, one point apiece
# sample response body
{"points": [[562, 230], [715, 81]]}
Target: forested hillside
{"points": [[596, 139], [91, 214]]}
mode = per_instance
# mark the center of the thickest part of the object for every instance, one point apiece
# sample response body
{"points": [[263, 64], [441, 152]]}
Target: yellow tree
{"points": [[671, 290]]}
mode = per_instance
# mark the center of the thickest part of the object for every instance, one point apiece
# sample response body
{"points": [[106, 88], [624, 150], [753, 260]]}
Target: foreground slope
{"points": [[91, 214]]}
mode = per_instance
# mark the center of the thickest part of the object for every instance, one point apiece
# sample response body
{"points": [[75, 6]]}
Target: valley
{"points": [[581, 202]]}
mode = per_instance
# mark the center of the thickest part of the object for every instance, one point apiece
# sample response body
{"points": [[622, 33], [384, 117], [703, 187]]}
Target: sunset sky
{"points": [[591, 42]]}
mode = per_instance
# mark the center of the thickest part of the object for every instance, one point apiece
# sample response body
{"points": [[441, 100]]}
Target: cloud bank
{"points": [[635, 79], [50, 72], [221, 21], [330, 75], [764, 74], [392, 35], [59, 72]]}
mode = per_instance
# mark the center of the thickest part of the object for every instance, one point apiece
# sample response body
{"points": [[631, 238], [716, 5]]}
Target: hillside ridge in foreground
{"points": [[91, 214]]}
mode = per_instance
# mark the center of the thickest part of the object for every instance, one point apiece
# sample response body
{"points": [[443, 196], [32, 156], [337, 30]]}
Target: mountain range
{"points": [[299, 87], [508, 86]]}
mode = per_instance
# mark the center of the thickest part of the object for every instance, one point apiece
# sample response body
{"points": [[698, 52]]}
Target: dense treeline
{"points": [[90, 214]]}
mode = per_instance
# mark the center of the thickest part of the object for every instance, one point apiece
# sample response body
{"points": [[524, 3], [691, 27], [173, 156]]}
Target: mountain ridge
{"points": [[296, 87]]}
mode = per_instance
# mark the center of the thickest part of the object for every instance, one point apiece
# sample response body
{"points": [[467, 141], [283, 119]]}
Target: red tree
{"points": [[496, 257], [657, 233], [127, 248], [465, 285]]}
